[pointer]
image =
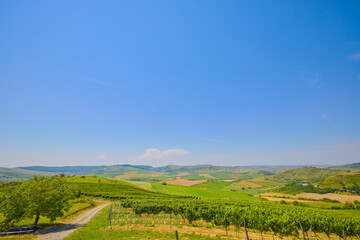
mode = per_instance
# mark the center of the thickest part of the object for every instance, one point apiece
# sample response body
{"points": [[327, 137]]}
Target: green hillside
{"points": [[111, 188], [309, 174], [346, 167], [125, 172], [209, 172], [343, 180]]}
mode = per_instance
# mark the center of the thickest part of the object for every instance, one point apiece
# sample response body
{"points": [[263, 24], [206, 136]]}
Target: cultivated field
{"points": [[184, 182]]}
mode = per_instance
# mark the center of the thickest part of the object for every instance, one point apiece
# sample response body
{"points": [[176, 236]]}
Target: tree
{"points": [[12, 204], [40, 196]]}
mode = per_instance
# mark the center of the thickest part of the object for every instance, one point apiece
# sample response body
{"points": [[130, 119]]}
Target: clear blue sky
{"points": [[179, 82]]}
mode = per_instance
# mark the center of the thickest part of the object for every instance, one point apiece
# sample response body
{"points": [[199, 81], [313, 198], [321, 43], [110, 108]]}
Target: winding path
{"points": [[60, 232]]}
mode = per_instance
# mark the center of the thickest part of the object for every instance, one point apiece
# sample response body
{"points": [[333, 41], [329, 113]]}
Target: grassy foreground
{"points": [[98, 228]]}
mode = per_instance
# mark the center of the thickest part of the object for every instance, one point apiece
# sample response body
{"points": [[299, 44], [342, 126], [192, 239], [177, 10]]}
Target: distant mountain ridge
{"points": [[69, 169], [279, 166], [169, 168], [16, 174], [282, 173], [351, 167]]}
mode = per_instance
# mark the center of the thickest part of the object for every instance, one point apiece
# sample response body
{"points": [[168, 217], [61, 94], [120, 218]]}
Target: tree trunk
{"points": [[37, 219]]}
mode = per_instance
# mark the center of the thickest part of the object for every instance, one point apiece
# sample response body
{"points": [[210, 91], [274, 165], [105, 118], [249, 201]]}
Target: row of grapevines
{"points": [[118, 191], [282, 220]]}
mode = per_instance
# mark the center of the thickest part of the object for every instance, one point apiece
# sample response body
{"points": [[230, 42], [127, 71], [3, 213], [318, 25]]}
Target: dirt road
{"points": [[60, 232]]}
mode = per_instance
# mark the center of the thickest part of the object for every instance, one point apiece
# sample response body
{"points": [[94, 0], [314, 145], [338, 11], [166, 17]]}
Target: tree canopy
{"points": [[40, 196]]}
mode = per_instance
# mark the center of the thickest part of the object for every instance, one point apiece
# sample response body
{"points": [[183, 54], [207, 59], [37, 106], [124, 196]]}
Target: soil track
{"points": [[62, 231], [333, 196], [185, 182], [316, 196]]}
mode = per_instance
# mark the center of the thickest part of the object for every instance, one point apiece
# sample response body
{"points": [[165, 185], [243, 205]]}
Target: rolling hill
{"points": [[148, 173], [308, 174], [195, 172], [348, 167], [343, 180]]}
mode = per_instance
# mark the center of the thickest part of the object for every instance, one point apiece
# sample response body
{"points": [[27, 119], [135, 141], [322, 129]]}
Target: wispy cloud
{"points": [[354, 57], [152, 153], [314, 79], [108, 84], [216, 140], [328, 120], [99, 157]]}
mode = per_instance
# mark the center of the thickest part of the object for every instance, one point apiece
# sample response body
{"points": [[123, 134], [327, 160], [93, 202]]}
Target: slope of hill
{"points": [[309, 174], [345, 180], [125, 172], [211, 172], [346, 167], [111, 188], [194, 172]]}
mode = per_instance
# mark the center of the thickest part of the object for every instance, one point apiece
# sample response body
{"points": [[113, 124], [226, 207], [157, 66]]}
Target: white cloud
{"points": [[354, 57], [152, 153], [99, 157]]}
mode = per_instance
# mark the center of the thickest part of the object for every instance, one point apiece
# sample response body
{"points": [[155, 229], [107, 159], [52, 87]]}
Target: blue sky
{"points": [[179, 82]]}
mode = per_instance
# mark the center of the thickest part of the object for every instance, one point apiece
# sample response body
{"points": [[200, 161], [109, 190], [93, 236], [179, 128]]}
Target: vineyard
{"points": [[261, 217], [141, 206], [115, 189], [134, 207]]}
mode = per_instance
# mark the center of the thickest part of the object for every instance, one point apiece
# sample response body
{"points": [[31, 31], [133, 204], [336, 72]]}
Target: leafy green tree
{"points": [[40, 196], [12, 204]]}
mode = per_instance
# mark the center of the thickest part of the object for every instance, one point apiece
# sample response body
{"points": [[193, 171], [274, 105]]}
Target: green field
{"points": [[214, 193]]}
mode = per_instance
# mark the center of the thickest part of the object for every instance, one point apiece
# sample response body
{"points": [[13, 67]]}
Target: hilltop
{"points": [[346, 167], [248, 177], [149, 173], [309, 174], [344, 180]]}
